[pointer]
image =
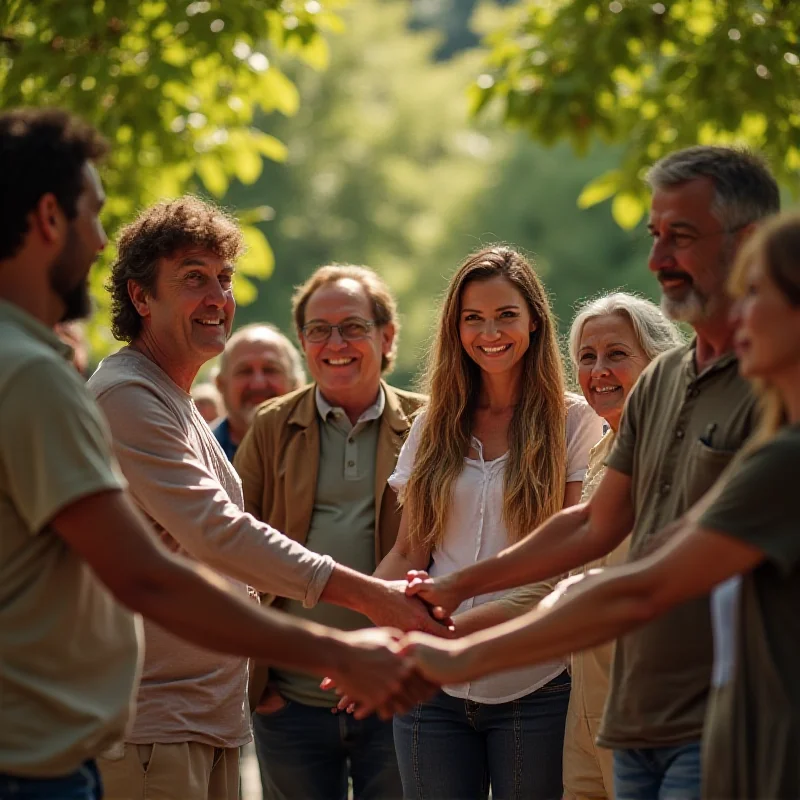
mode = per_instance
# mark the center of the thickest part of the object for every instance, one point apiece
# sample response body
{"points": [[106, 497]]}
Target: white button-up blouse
{"points": [[475, 531]]}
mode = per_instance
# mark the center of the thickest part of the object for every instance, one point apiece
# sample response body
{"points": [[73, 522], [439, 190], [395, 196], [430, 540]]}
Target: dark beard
{"points": [[77, 302], [74, 296]]}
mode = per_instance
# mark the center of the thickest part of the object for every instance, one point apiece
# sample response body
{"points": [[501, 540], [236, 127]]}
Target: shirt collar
{"points": [[723, 362], [375, 411], [33, 327]]}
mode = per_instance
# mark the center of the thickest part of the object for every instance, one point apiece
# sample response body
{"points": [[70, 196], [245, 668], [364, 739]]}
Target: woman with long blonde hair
{"points": [[747, 526], [499, 448]]}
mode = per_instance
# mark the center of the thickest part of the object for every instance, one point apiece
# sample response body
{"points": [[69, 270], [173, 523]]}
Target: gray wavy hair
{"points": [[655, 333]]}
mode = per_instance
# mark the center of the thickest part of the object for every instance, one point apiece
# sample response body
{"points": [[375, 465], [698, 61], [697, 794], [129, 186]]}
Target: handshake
{"points": [[389, 669]]}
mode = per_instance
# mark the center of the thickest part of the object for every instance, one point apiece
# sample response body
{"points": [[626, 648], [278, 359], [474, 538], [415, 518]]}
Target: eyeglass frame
{"points": [[369, 324]]}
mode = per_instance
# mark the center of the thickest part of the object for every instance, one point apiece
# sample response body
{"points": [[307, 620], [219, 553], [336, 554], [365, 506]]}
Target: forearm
{"points": [[396, 564], [194, 603], [553, 549], [601, 610]]}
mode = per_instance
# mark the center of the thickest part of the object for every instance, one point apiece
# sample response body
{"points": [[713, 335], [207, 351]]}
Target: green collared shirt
{"points": [[679, 431], [342, 523]]}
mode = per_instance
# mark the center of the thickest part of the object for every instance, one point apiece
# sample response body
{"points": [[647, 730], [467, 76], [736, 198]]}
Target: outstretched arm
{"points": [[567, 540], [602, 608]]}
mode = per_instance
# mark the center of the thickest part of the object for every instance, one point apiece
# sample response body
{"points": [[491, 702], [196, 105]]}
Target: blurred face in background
{"points": [[610, 360], [255, 370]]}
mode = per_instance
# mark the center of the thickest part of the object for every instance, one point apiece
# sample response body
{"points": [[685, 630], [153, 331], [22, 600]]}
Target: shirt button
{"points": [[679, 434], [351, 463], [665, 487]]}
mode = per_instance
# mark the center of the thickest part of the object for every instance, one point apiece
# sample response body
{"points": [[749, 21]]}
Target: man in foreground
{"points": [[74, 549]]}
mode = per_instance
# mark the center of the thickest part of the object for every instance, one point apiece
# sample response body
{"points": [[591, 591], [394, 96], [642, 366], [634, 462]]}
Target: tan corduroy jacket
{"points": [[278, 462]]}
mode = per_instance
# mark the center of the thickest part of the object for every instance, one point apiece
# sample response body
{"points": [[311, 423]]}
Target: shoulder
{"points": [[278, 410], [579, 412], [410, 402], [119, 370]]}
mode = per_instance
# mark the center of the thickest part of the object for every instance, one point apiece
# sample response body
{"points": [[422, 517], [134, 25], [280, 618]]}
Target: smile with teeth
{"points": [[492, 350], [339, 362], [605, 389], [209, 321]]}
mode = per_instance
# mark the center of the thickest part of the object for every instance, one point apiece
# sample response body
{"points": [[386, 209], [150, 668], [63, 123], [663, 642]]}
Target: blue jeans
{"points": [[83, 784], [452, 749], [306, 753], [658, 773]]}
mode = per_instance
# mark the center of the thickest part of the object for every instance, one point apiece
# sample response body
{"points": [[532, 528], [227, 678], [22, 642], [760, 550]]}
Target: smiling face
{"points": [[345, 370], [495, 324], [189, 315], [767, 338], [692, 252], [610, 360]]}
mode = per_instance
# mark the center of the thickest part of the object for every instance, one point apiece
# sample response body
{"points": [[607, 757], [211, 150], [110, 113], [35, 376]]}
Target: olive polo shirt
{"points": [[679, 431], [342, 526], [68, 650], [752, 737]]}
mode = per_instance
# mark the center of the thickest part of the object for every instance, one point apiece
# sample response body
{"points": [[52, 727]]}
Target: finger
{"points": [[327, 684]]}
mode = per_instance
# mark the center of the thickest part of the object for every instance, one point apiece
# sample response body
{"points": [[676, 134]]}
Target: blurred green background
{"points": [[402, 134]]}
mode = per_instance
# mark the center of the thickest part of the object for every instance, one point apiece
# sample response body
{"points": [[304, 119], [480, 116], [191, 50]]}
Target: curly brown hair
{"points": [[159, 232]]}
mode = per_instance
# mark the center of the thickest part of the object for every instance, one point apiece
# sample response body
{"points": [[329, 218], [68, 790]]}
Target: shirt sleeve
{"points": [[408, 455], [756, 502], [54, 445], [179, 493], [584, 431]]}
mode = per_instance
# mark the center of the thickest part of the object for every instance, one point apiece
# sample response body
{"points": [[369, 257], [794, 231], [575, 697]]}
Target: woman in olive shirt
{"points": [[747, 525]]}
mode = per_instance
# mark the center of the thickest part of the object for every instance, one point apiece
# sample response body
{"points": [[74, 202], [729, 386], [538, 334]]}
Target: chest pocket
{"points": [[705, 466]]}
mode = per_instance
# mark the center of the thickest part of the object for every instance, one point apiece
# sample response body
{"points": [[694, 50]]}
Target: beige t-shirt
{"points": [[182, 480], [68, 650]]}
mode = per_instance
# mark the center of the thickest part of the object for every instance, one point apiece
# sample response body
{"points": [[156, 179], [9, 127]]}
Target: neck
{"points": [[714, 340], [353, 404], [236, 430], [181, 374], [499, 392], [29, 290], [788, 386]]}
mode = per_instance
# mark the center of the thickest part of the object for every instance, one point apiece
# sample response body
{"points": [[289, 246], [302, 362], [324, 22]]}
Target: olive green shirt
{"points": [[752, 737], [68, 650], [678, 433], [342, 526]]}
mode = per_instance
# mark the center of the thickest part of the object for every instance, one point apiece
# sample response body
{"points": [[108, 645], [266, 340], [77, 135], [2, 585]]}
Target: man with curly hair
{"points": [[74, 551], [172, 303]]}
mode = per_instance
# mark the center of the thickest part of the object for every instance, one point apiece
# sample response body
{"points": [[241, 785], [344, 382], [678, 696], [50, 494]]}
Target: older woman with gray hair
{"points": [[612, 339]]}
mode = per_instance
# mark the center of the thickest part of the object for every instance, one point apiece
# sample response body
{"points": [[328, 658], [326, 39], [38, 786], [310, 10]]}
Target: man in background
{"points": [[257, 364]]}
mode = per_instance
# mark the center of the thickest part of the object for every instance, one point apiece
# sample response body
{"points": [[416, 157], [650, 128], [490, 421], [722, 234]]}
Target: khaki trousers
{"points": [[182, 771]]}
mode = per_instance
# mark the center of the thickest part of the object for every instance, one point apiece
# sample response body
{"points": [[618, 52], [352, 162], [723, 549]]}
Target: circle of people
{"points": [[495, 584]]}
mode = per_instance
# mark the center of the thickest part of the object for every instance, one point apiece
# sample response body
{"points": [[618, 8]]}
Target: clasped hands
{"points": [[403, 661]]}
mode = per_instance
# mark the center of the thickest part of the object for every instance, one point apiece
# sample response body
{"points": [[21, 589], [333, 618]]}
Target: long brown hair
{"points": [[777, 246], [536, 470]]}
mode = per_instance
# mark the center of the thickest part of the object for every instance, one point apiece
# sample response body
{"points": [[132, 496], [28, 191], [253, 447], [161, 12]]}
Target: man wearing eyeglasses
{"points": [[315, 463]]}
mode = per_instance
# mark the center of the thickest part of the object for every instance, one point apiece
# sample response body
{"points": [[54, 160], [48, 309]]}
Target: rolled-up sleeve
{"points": [[181, 495]]}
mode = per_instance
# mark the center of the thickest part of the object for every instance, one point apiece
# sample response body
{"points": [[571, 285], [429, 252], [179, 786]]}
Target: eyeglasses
{"points": [[350, 330]]}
